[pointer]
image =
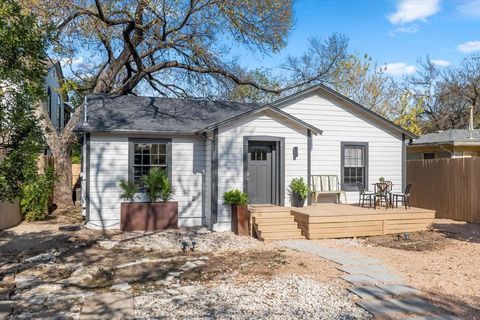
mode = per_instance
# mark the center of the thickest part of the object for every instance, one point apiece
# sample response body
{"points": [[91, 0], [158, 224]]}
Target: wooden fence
{"points": [[449, 186]]}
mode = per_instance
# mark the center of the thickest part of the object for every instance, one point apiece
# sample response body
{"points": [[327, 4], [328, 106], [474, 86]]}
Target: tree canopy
{"points": [[22, 65]]}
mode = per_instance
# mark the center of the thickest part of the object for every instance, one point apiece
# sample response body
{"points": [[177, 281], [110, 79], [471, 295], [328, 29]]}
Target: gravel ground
{"points": [[447, 273], [290, 297], [205, 240]]}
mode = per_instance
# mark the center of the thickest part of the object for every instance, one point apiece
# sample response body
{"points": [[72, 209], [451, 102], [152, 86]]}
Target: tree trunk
{"points": [[62, 192], [61, 146]]}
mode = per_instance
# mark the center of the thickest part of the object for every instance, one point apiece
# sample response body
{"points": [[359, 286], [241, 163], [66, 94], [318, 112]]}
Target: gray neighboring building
{"points": [[451, 143]]}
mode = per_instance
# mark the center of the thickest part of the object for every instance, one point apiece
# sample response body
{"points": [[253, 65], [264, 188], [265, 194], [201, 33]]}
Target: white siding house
{"points": [[216, 146]]}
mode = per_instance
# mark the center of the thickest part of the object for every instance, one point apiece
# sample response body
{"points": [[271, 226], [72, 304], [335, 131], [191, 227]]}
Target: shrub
{"points": [[35, 195], [129, 189], [299, 187], [166, 189], [157, 185], [235, 196]]}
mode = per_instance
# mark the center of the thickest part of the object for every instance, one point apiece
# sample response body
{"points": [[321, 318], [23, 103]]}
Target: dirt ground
{"points": [[443, 263]]}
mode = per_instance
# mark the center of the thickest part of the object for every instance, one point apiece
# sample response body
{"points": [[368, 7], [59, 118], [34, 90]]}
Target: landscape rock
{"points": [[107, 244], [40, 258], [124, 286], [188, 266], [70, 227]]}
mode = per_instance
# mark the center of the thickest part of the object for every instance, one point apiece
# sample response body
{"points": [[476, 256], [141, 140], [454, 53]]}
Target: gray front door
{"points": [[259, 173]]}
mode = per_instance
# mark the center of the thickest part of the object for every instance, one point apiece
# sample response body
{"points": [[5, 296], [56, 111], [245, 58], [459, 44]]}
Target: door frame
{"points": [[278, 163]]}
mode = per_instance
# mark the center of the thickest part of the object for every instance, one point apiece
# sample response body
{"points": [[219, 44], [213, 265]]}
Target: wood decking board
{"points": [[341, 221], [335, 221]]}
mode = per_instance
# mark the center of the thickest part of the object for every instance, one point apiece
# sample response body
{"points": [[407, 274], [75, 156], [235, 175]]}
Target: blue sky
{"points": [[393, 32]]}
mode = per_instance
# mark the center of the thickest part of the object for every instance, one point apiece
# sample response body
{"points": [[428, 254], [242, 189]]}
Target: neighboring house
{"points": [[57, 105], [209, 147], [452, 143]]}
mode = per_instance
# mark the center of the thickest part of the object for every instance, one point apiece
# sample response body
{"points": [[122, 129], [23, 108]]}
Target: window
{"points": [[354, 165], [146, 154], [429, 155]]}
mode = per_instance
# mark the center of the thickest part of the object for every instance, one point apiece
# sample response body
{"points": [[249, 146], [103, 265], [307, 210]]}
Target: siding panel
{"points": [[340, 123], [109, 164]]}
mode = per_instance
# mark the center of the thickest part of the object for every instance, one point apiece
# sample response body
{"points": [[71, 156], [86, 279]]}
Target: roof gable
{"points": [[322, 90]]}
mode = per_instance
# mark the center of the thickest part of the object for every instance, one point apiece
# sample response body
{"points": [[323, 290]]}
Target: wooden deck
{"points": [[344, 221]]}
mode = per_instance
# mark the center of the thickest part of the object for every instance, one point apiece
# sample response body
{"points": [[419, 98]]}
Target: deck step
{"points": [[278, 228], [278, 220]]}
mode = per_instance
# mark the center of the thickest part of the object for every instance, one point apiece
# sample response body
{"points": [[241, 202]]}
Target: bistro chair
{"points": [[362, 195], [404, 196], [382, 194]]}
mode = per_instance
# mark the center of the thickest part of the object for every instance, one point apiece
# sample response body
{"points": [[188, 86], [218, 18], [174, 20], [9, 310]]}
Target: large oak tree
{"points": [[169, 47]]}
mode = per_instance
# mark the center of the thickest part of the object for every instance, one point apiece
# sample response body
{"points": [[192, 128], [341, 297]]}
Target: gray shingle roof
{"points": [[450, 136], [133, 113]]}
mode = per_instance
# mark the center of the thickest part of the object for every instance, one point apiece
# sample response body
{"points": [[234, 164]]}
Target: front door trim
{"points": [[279, 182]]}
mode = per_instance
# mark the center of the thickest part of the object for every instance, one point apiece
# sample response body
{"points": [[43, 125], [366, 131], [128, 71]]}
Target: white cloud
{"points": [[440, 62], [469, 46], [413, 10], [407, 29], [398, 69], [469, 8]]}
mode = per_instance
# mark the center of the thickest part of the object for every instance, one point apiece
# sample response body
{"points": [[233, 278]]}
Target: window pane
{"points": [[252, 155], [146, 148], [146, 159], [137, 159], [264, 155], [162, 149], [154, 148], [137, 148], [154, 159], [162, 159]]}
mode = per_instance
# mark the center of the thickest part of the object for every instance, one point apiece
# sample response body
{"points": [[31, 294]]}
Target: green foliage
{"points": [[381, 179], [35, 195], [76, 153], [166, 189], [410, 114], [157, 185], [22, 70], [299, 187], [235, 196], [129, 189]]}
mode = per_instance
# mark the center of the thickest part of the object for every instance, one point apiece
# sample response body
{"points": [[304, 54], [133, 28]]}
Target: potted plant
{"points": [[381, 179], [155, 214], [298, 192], [238, 200]]}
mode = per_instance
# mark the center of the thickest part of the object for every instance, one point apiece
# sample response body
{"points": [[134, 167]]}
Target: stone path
{"points": [[111, 306], [381, 291]]}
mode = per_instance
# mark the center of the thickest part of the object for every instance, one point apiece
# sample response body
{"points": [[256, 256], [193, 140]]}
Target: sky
{"points": [[395, 33]]}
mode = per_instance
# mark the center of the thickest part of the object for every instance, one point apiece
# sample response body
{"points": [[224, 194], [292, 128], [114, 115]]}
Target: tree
{"points": [[22, 55], [446, 94], [170, 47]]}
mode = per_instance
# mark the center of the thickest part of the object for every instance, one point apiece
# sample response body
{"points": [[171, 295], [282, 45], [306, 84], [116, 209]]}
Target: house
{"points": [[59, 110], [210, 147], [451, 143]]}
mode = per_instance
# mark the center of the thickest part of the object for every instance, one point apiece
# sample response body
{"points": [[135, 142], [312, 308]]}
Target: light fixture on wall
{"points": [[295, 153]]}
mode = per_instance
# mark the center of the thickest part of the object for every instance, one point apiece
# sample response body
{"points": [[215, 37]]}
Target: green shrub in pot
{"points": [[298, 190], [235, 197]]}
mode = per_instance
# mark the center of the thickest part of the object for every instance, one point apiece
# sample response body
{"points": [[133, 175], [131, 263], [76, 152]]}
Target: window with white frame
{"points": [[147, 154]]}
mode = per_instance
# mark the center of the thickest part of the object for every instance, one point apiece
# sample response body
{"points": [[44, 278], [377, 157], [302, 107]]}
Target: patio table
{"points": [[388, 187]]}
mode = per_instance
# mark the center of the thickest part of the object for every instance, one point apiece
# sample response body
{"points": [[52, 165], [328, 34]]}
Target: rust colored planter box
{"points": [[240, 219], [148, 216]]}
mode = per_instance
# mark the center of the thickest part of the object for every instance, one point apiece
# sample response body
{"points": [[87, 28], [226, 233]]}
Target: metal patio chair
{"points": [[404, 196], [362, 195]]}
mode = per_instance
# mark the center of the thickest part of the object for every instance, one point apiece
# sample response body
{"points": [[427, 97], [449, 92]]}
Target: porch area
{"points": [[323, 221]]}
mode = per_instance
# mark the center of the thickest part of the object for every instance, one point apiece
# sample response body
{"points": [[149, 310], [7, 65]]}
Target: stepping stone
{"points": [[444, 316], [391, 307], [360, 279], [108, 307], [360, 269], [385, 277], [370, 292], [398, 289]]}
